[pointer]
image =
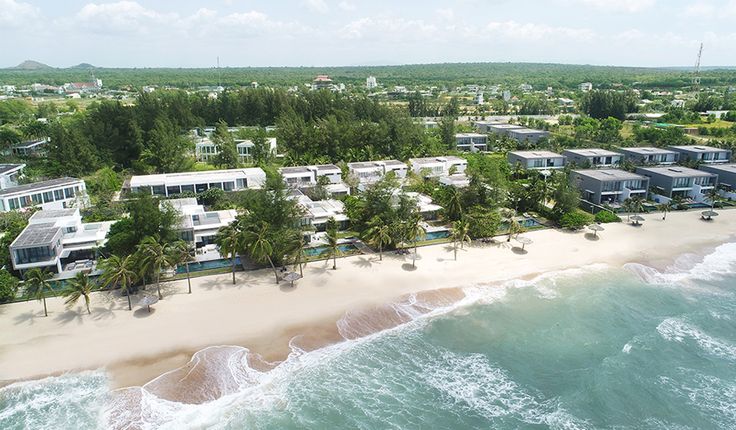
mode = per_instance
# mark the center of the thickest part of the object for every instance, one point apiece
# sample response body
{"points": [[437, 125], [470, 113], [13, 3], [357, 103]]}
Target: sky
{"points": [[188, 33]]}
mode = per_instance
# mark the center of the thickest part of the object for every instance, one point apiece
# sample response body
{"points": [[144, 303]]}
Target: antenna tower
{"points": [[696, 71]]}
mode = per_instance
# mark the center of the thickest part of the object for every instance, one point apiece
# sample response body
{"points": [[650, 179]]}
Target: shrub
{"points": [[8, 286], [575, 220], [606, 217]]}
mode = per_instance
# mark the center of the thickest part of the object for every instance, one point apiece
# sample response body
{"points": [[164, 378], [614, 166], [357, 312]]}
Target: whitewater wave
{"points": [[679, 330], [690, 267], [713, 395]]}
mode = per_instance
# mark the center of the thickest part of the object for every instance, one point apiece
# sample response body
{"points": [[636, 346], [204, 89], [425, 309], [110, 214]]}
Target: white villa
{"points": [[369, 172], [58, 240], [60, 193], [10, 174], [206, 150], [199, 227], [438, 166], [307, 177], [471, 142], [171, 184], [317, 213]]}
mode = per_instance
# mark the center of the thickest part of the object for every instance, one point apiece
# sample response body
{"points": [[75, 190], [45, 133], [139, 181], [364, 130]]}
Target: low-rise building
{"points": [[438, 166], [369, 172], [702, 154], [308, 176], [458, 180], [35, 148], [471, 142], [594, 157], [10, 174], [649, 155], [726, 175], [677, 181], [315, 214], [609, 186], [206, 150], [586, 86], [197, 226], [536, 160], [172, 184], [58, 241], [516, 132], [425, 206], [60, 193]]}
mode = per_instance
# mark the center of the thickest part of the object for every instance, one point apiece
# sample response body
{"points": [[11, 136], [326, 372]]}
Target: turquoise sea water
{"points": [[595, 348]]}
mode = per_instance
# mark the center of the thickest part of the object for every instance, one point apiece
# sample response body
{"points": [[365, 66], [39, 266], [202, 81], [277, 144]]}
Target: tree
{"points": [[119, 271], [181, 253], [38, 285], [157, 256], [78, 287], [296, 255], [332, 241], [459, 234], [166, 150], [229, 241], [482, 221], [576, 219], [8, 286], [665, 208], [147, 216], [257, 242], [378, 234], [447, 131], [415, 232], [227, 152], [454, 204]]}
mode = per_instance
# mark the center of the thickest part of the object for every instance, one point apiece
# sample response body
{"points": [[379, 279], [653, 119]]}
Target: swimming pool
{"points": [[208, 265], [440, 234], [316, 251], [526, 223]]}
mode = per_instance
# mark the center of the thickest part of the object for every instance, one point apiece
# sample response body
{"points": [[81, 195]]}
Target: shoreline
{"points": [[137, 347]]}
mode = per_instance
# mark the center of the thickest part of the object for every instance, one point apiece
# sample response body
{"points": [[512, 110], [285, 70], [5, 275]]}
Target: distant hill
{"points": [[83, 66], [31, 65]]}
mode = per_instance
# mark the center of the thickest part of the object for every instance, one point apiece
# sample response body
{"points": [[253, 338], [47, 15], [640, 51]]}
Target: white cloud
{"points": [[531, 31], [318, 6], [122, 17], [346, 6], [700, 9], [16, 14], [628, 6], [392, 29], [447, 13]]}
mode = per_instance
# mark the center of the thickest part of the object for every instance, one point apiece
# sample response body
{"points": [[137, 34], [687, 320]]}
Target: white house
{"points": [[438, 166], [206, 150], [471, 142], [58, 240], [10, 174], [316, 214], [197, 226], [371, 82], [171, 184], [60, 193], [586, 86], [369, 172]]}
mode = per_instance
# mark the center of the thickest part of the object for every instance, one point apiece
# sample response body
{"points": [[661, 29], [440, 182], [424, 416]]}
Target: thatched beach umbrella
{"points": [[524, 241], [291, 277], [147, 301], [637, 219], [709, 214], [595, 228]]}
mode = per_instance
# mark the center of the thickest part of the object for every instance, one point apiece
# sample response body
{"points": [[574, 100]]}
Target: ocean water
{"points": [[592, 348]]}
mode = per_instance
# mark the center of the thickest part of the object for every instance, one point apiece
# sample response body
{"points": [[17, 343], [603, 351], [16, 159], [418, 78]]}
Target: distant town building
{"points": [[586, 86], [322, 82], [506, 95], [371, 82], [478, 99], [525, 88]]}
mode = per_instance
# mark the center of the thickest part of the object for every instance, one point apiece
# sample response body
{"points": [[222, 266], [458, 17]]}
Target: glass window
{"points": [[242, 183], [201, 188], [159, 190], [69, 192], [173, 190], [187, 188], [13, 204], [216, 185], [25, 201], [37, 199], [48, 197], [58, 194], [228, 186]]}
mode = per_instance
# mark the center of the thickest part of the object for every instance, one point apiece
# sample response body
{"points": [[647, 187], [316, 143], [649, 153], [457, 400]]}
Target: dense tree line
{"points": [[603, 104]]}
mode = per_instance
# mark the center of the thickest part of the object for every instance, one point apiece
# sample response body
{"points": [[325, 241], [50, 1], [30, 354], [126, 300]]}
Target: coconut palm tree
{"points": [[459, 234], [378, 234], [715, 197], [155, 255], [256, 240], [38, 285], [332, 241], [454, 205], [119, 271], [296, 255], [415, 232], [229, 240], [181, 253], [78, 287], [665, 208]]}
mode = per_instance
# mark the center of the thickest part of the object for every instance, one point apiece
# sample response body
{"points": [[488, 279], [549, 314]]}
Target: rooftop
{"points": [[505, 126], [393, 163], [648, 150], [469, 135], [535, 154], [53, 214], [187, 177], [592, 152], [527, 130], [609, 174], [697, 148], [292, 170], [39, 186], [364, 165], [30, 143], [674, 171], [36, 234], [7, 168], [325, 167], [724, 168]]}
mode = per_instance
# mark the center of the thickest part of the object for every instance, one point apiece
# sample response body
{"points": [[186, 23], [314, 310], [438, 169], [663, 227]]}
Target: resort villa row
{"points": [[369, 172], [593, 157], [677, 181], [516, 132], [206, 150], [172, 184], [536, 160], [702, 154], [308, 176], [609, 186], [471, 142], [57, 193], [59, 241], [649, 155], [438, 166]]}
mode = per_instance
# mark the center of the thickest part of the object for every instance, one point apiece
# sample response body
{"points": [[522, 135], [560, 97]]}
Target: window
{"points": [[681, 182], [201, 188], [216, 185], [37, 199], [13, 204], [159, 190], [228, 186], [48, 197], [71, 229], [69, 192], [241, 183], [173, 190], [58, 194], [25, 201], [187, 188]]}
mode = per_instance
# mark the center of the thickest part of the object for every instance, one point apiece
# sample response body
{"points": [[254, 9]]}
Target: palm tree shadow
{"points": [[29, 316], [362, 262], [100, 313], [69, 316]]}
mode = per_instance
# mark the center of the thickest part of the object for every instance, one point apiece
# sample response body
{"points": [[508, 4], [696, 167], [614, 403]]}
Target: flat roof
{"points": [[724, 168], [674, 171], [36, 234], [327, 167], [609, 174], [697, 148], [426, 160], [592, 152], [469, 135], [299, 169], [505, 126], [30, 144], [39, 186], [53, 214], [393, 163], [536, 154], [527, 130], [5, 168], [647, 150], [364, 165], [188, 177]]}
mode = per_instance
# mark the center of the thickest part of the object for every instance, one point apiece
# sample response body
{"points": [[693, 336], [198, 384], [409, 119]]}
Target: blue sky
{"points": [[186, 33]]}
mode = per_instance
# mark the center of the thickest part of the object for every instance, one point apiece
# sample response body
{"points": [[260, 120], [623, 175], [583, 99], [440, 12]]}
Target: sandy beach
{"points": [[136, 346]]}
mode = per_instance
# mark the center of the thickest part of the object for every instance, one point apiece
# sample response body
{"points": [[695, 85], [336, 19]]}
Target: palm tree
{"points": [[459, 234], [715, 197], [665, 207], [38, 285], [296, 255], [513, 226], [454, 205], [256, 240], [157, 256], [180, 253], [378, 234], [415, 231], [332, 241], [229, 240], [80, 286], [119, 271]]}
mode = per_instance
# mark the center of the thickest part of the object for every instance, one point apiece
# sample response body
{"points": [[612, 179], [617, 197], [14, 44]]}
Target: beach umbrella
{"points": [[524, 241], [637, 219], [709, 214], [147, 301], [595, 228], [291, 277]]}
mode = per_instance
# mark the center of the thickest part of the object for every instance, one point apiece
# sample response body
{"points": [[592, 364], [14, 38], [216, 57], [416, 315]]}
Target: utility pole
{"points": [[696, 71]]}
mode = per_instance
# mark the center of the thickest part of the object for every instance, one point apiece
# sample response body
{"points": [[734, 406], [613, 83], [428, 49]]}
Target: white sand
{"points": [[256, 313]]}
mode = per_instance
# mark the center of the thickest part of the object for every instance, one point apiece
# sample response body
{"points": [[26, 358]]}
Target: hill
{"points": [[82, 66], [31, 65]]}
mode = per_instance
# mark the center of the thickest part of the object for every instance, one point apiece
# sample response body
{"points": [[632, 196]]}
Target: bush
{"points": [[8, 286], [576, 219], [606, 217]]}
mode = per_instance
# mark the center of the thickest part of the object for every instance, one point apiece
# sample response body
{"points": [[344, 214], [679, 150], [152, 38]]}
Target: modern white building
{"points": [[369, 172], [586, 86], [58, 240], [371, 82], [10, 174], [308, 176], [438, 166], [197, 226], [594, 157], [650, 155], [206, 150], [31, 148], [60, 193], [702, 154], [425, 206], [172, 184], [315, 214], [471, 142], [458, 180], [536, 160]]}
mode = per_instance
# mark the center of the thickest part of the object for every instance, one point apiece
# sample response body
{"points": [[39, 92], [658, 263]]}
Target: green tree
{"points": [[181, 253], [415, 232], [38, 285], [166, 150], [454, 204], [8, 286], [332, 241], [157, 256], [78, 287], [119, 271], [227, 152], [378, 234], [229, 242], [260, 247], [459, 234], [665, 208]]}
